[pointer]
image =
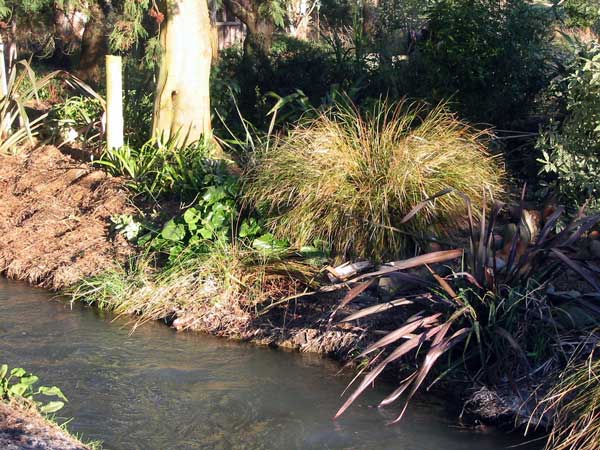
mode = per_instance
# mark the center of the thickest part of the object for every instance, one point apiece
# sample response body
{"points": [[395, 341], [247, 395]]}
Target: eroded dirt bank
{"points": [[54, 218], [23, 428]]}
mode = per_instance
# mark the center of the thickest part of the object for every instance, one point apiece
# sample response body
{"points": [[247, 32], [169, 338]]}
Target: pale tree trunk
{"points": [[182, 101]]}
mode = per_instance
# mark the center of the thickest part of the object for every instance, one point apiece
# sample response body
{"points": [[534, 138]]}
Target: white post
{"points": [[114, 102], [3, 75]]}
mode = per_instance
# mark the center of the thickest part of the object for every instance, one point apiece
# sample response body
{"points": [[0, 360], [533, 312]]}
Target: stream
{"points": [[157, 389]]}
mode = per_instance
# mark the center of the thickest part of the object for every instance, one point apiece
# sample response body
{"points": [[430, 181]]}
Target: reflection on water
{"points": [[161, 390]]}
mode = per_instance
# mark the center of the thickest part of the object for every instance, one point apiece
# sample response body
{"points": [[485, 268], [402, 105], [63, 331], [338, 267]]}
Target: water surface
{"points": [[161, 390]]}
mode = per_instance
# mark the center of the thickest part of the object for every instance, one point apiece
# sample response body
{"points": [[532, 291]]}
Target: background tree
{"points": [[182, 100], [261, 17]]}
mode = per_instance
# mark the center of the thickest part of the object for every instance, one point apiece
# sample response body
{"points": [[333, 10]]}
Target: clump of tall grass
{"points": [[574, 404], [229, 277], [350, 177], [23, 89]]}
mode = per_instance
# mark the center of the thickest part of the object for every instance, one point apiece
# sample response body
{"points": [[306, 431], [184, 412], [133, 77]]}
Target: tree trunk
{"points": [[182, 101], [259, 36], [94, 47], [259, 30]]}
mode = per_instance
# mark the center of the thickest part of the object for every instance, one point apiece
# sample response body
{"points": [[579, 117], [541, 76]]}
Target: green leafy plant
{"points": [[160, 168], [571, 147], [78, 118], [582, 13], [492, 303], [19, 384], [491, 57], [348, 178], [211, 218]]}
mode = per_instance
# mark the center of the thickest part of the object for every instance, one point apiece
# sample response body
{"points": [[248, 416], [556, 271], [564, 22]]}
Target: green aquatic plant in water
{"points": [[20, 384]]}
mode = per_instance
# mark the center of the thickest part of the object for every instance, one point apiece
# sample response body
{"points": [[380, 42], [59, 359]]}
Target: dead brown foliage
{"points": [[54, 218]]}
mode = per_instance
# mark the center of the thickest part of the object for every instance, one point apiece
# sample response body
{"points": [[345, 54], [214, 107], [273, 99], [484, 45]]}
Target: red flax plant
{"points": [[488, 305]]}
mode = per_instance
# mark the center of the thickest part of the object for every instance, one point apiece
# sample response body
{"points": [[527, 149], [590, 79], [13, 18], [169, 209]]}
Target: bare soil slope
{"points": [[54, 218]]}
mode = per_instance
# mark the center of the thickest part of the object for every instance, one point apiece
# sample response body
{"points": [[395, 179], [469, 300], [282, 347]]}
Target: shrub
{"points": [[490, 56], [582, 13], [571, 146], [349, 178], [494, 305], [78, 119], [292, 65]]}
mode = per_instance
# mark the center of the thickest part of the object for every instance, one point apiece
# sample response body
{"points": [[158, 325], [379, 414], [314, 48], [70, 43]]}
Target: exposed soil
{"points": [[23, 428], [54, 218]]}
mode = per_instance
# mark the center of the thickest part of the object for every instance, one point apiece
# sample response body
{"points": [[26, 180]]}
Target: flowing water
{"points": [[161, 390]]}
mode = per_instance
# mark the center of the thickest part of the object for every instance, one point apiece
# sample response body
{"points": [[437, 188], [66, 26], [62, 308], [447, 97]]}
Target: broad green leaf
{"points": [[191, 216], [51, 407], [17, 389], [173, 231], [18, 372], [268, 243], [30, 380], [52, 391], [249, 228]]}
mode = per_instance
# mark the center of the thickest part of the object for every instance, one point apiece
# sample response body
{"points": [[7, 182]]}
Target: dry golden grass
{"points": [[230, 279], [574, 404], [349, 178]]}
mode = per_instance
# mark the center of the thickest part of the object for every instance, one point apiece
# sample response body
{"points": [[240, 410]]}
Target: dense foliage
{"points": [[335, 164], [571, 145], [489, 56]]}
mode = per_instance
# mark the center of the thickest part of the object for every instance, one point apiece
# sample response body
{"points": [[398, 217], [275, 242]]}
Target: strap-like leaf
{"points": [[577, 268], [399, 333], [427, 258], [375, 309]]}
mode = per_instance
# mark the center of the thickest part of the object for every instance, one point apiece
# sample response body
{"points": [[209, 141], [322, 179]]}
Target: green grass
{"points": [[160, 168], [228, 277], [349, 177]]}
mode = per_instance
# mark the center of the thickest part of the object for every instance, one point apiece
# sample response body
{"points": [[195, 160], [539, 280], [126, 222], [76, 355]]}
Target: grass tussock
{"points": [[229, 279], [575, 406], [350, 177]]}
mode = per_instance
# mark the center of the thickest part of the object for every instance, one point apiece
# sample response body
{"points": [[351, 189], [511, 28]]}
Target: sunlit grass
{"points": [[229, 277], [350, 177], [574, 404]]}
